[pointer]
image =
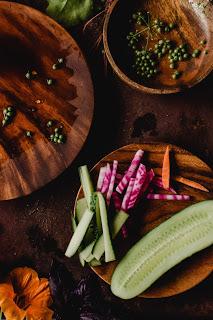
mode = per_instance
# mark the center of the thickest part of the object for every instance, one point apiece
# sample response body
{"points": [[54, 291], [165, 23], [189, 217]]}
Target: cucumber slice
{"points": [[85, 253], [86, 183], [176, 239], [117, 223], [74, 227], [79, 233], [81, 207], [94, 206], [108, 248], [95, 263]]}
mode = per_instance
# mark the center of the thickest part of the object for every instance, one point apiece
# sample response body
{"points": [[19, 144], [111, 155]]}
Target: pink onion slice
{"points": [[112, 181], [127, 195], [107, 178], [130, 172], [101, 177], [138, 184], [152, 196]]}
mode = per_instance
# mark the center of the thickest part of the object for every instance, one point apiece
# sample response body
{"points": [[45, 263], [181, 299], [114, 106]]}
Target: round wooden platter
{"points": [[32, 41], [150, 214], [193, 25]]}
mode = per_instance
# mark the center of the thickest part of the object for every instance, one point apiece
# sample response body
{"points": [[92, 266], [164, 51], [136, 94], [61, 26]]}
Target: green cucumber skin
{"points": [[108, 248], [117, 223], [98, 216], [74, 227], [86, 183], [79, 234], [86, 252], [181, 236], [81, 207]]}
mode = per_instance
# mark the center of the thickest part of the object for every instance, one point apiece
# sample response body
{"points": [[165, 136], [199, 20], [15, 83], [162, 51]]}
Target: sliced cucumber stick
{"points": [[117, 223], [86, 183], [79, 233], [176, 239], [85, 253], [108, 248], [74, 227], [81, 206]]}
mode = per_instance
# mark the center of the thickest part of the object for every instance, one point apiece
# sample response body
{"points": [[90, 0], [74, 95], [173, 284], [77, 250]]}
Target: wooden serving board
{"points": [[32, 41], [150, 214]]}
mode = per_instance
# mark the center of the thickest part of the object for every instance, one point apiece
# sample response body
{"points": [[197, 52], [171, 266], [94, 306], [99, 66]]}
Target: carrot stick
{"points": [[190, 183], [166, 169]]}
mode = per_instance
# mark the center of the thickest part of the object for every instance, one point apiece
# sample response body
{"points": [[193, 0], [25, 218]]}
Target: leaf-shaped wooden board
{"points": [[32, 41], [150, 214]]}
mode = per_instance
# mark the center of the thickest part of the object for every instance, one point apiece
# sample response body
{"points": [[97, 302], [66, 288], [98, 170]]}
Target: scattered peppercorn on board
{"points": [[150, 214], [46, 104]]}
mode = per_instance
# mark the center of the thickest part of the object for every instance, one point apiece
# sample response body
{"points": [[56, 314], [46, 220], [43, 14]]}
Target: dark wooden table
{"points": [[36, 228]]}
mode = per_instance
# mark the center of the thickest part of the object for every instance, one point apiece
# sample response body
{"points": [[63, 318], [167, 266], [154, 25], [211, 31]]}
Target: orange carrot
{"points": [[166, 169], [190, 183]]}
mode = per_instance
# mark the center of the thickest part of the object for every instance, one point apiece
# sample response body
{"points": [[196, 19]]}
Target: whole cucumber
{"points": [[176, 239]]}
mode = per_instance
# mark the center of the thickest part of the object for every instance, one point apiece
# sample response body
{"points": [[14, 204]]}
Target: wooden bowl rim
{"points": [[139, 146], [128, 80]]}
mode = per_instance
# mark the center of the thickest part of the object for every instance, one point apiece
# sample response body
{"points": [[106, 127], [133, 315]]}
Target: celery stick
{"points": [[79, 233], [109, 252]]}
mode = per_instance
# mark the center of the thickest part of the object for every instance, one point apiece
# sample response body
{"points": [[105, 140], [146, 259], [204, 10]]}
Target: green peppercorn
{"points": [[56, 130], [186, 56], [172, 26], [55, 66], [50, 82], [172, 66], [28, 75], [196, 53], [4, 122], [203, 42], [29, 134], [49, 123], [61, 60]]}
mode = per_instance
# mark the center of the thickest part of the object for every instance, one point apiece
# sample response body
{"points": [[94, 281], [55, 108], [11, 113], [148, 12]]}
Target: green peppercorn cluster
{"points": [[145, 64], [58, 137], [141, 18], [133, 39], [160, 26], [162, 47], [8, 115], [146, 61]]}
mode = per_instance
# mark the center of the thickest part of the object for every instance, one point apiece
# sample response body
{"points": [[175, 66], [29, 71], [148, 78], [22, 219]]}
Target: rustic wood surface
{"points": [[31, 41], [150, 214], [35, 228], [193, 26]]}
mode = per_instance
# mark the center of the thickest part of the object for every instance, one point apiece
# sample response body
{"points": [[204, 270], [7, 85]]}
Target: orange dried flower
{"points": [[25, 296]]}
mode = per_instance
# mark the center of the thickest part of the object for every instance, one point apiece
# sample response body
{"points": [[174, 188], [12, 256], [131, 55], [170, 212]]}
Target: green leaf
{"points": [[70, 12], [55, 7]]}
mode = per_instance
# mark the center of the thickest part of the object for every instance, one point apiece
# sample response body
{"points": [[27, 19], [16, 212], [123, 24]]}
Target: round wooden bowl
{"points": [[194, 24], [150, 214], [32, 41]]}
